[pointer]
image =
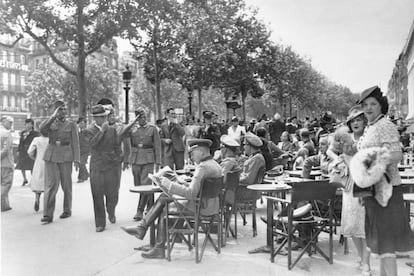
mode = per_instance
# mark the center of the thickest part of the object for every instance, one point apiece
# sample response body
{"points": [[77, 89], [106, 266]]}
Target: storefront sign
{"points": [[13, 65]]}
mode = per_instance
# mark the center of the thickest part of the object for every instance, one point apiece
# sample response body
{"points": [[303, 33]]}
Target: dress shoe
{"points": [[138, 216], [154, 253], [6, 209], [24, 183], [112, 219], [65, 215], [138, 231], [100, 229], [46, 220], [36, 205]]}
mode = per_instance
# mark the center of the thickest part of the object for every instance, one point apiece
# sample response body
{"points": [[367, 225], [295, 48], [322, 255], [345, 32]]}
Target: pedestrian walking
{"points": [[36, 151], [24, 162], [85, 151], [61, 152], [172, 141], [145, 156], [105, 165], [7, 161]]}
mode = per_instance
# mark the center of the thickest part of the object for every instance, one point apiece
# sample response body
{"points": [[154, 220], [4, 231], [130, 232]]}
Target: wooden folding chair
{"points": [[186, 223], [302, 192], [229, 202], [248, 206]]}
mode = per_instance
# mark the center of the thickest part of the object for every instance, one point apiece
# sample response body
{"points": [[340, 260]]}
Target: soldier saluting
{"points": [[145, 155], [61, 152]]}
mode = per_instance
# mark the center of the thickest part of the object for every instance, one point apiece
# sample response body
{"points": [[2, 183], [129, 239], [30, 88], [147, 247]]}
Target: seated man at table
{"points": [[251, 167], [321, 160], [206, 167], [228, 150]]}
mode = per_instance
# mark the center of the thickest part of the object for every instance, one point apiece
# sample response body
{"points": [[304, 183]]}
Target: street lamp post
{"points": [[190, 99], [126, 77]]}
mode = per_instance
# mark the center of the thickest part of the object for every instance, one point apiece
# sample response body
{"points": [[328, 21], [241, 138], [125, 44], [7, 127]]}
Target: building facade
{"points": [[14, 72]]}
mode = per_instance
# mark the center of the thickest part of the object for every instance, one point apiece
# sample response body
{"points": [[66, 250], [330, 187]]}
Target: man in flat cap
{"points": [[172, 141], [61, 152], [104, 166], [206, 167], [210, 131], [145, 156], [7, 161], [252, 167]]}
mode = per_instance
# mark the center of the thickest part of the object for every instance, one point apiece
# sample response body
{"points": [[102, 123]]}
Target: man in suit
{"points": [[104, 166], [207, 168], [210, 131], [61, 152], [145, 154], [85, 150], [7, 162], [172, 141]]}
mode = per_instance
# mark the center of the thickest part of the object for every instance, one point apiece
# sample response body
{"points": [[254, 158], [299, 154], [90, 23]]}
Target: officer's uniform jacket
{"points": [[208, 168], [145, 145], [63, 140]]}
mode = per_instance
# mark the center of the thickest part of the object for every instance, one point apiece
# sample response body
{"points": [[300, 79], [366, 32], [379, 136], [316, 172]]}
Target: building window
{"points": [[4, 55], [12, 79], [23, 59], [5, 81], [22, 81], [5, 101], [12, 101], [23, 104]]}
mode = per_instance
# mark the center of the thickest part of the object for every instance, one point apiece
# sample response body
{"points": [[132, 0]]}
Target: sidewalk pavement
{"points": [[72, 247]]}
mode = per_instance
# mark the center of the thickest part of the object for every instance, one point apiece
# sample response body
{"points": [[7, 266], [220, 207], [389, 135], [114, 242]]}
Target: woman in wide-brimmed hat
{"points": [[387, 226]]}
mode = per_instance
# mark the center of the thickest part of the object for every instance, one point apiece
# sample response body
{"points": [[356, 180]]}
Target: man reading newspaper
{"points": [[206, 167]]}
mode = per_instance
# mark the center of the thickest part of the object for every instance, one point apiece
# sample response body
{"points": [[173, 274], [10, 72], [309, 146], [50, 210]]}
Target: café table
{"points": [[147, 190], [268, 189], [298, 173]]}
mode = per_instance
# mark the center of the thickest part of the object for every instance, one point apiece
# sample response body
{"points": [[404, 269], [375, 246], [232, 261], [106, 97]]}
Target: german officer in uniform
{"points": [[145, 153], [61, 152], [104, 166]]}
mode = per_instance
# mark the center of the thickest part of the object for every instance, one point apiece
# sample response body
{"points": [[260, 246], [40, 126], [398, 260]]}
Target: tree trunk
{"points": [[157, 75], [200, 114], [80, 72], [244, 106]]}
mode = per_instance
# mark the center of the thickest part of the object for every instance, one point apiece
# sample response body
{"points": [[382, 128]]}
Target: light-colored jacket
{"points": [[6, 142]]}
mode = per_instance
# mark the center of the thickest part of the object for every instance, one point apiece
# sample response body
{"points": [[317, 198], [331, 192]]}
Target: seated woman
{"points": [[321, 160], [206, 167]]}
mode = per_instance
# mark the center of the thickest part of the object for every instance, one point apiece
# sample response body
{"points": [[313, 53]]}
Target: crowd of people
{"points": [[376, 222]]}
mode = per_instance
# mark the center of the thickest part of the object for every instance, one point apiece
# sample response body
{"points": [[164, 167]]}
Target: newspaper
{"points": [[166, 172]]}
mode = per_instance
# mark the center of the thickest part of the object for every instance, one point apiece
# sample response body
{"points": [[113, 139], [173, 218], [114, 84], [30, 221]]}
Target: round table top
{"points": [[269, 187], [145, 189], [299, 173], [313, 168], [407, 181], [404, 166], [408, 197], [286, 180]]}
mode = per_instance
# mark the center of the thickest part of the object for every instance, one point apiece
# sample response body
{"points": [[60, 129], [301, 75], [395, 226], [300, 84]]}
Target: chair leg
{"points": [[254, 223], [235, 225], [196, 241]]}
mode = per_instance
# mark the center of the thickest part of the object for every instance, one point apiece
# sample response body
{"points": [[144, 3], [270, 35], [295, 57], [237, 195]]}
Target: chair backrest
{"points": [[230, 186], [312, 190], [260, 175], [211, 187]]}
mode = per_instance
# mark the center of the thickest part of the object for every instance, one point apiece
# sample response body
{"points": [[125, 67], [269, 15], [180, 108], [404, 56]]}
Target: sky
{"points": [[354, 43]]}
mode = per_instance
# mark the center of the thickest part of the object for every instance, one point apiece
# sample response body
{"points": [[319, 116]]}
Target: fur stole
{"points": [[368, 167]]}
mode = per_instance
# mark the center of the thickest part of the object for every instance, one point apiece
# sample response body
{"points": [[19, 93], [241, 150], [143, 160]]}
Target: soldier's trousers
{"points": [[140, 173], [6, 183], [83, 171], [105, 192], [56, 173]]}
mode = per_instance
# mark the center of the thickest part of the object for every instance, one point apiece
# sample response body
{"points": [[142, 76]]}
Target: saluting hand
{"points": [[105, 126], [55, 113]]}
